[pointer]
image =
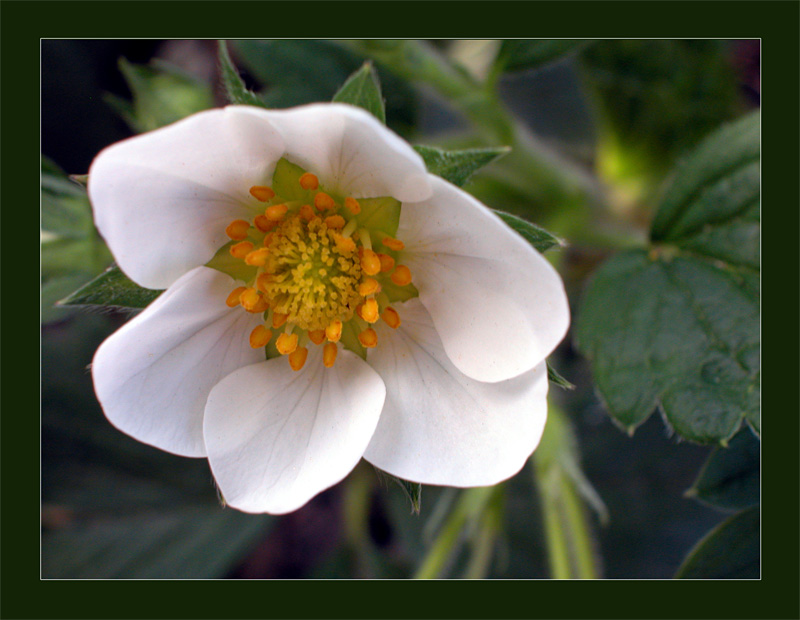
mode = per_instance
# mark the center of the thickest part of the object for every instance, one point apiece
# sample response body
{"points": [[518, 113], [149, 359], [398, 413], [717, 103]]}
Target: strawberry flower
{"points": [[326, 300]]}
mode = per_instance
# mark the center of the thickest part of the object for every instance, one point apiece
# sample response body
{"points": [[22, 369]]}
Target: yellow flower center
{"points": [[310, 268]]}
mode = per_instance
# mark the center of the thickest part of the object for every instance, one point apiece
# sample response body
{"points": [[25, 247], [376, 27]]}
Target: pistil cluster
{"points": [[317, 272]]}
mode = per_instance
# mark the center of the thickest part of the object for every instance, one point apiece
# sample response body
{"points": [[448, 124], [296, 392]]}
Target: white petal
{"points": [[162, 200], [438, 426], [351, 151], [498, 305], [153, 375], [276, 437]]}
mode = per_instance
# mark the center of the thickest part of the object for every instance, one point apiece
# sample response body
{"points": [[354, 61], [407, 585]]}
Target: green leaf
{"points": [[162, 94], [712, 205], [730, 479], [538, 237], [458, 166], [522, 54], [729, 551], [112, 288], [363, 89], [678, 325], [235, 88], [412, 490]]}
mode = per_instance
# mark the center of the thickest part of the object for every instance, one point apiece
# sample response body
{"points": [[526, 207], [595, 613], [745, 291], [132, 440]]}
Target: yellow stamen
{"points": [[368, 338], [237, 229], [387, 262], [306, 213], [286, 343], [241, 249], [391, 318], [401, 275], [334, 331], [369, 286], [262, 193], [279, 319], [369, 310], [309, 181], [393, 244], [335, 221], [257, 258], [370, 263], [297, 358], [322, 201], [352, 205], [317, 336], [275, 213], [344, 244], [329, 353], [233, 298], [263, 223], [253, 301], [259, 337]]}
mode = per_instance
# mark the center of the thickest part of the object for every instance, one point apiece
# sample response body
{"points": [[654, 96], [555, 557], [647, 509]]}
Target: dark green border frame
{"points": [[23, 595]]}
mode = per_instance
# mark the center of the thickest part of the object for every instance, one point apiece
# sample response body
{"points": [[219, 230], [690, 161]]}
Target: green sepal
{"points": [[412, 490], [234, 267], [363, 89], [537, 236], [458, 166], [555, 378], [112, 288], [235, 88], [286, 182], [380, 214]]}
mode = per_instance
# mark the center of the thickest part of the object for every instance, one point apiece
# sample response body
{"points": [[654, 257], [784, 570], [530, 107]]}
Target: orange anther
{"points": [[369, 310], [279, 319], [352, 205], [317, 336], [253, 301], [387, 262], [241, 249], [334, 331], [261, 281], [329, 353], [257, 258], [369, 286], [368, 338], [262, 193], [335, 221], [275, 213], [297, 358], [370, 263], [309, 181], [286, 343], [233, 298], [307, 213], [344, 244], [259, 337], [237, 229], [322, 201], [393, 244], [401, 275], [263, 223], [391, 318]]}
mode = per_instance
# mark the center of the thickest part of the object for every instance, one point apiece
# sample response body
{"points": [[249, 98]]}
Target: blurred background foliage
{"points": [[597, 128]]}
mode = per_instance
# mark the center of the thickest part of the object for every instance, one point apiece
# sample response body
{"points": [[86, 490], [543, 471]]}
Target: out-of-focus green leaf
{"points": [[235, 88], [656, 99], [294, 72], [363, 89], [112, 288], [537, 236], [730, 551], [730, 479], [523, 54], [678, 325], [458, 166], [162, 94]]}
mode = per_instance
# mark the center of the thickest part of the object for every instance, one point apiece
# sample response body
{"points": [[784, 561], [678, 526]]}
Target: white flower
{"points": [[325, 217]]}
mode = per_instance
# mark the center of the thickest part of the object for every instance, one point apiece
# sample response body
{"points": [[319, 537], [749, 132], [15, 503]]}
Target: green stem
{"points": [[484, 543], [356, 512]]}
